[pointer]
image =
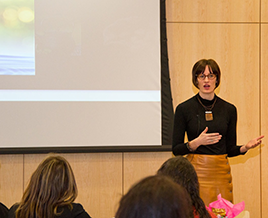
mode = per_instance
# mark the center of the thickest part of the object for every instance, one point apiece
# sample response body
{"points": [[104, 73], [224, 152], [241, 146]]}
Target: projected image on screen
{"points": [[97, 78], [17, 37]]}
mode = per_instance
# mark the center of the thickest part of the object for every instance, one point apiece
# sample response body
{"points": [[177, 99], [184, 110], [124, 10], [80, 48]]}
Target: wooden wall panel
{"points": [[139, 165], [233, 46], [264, 10], [31, 161], [11, 179], [99, 179], [264, 116], [236, 49], [213, 10]]}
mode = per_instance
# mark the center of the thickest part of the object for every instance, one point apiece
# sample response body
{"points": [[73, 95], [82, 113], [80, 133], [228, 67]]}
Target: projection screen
{"points": [[84, 76]]}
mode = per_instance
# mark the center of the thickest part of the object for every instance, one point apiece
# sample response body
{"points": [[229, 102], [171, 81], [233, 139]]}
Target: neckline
{"points": [[206, 102]]}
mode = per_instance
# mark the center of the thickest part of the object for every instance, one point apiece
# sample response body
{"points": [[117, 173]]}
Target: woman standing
{"points": [[210, 125]]}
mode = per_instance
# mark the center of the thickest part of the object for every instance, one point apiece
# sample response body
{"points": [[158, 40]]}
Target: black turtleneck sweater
{"points": [[190, 118]]}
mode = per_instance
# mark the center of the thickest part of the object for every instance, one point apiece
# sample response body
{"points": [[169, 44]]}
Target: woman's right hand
{"points": [[208, 138], [205, 139]]}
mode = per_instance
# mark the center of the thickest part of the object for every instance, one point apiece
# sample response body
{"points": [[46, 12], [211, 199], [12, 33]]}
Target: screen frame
{"points": [[167, 112]]}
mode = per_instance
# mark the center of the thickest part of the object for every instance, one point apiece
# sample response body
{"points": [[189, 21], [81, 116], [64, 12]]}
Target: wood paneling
{"points": [[213, 11], [31, 161], [264, 116], [234, 47], [11, 179], [264, 10], [139, 165], [99, 179]]}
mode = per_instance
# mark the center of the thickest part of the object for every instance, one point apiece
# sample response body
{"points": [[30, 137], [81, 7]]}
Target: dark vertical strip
{"points": [[166, 98]]}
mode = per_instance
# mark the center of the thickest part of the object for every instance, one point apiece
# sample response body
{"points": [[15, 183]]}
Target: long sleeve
{"points": [[179, 128], [190, 119], [231, 144]]}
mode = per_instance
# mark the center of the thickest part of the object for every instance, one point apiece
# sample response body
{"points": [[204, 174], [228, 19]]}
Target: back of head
{"points": [[51, 185], [155, 197], [182, 172]]}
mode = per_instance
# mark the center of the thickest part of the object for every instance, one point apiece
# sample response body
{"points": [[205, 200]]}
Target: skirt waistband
{"points": [[208, 159]]}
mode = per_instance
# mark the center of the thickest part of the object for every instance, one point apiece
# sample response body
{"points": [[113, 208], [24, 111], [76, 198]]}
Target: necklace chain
{"points": [[207, 108]]}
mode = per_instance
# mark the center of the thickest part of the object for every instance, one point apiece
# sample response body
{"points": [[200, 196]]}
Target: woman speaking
{"points": [[210, 125]]}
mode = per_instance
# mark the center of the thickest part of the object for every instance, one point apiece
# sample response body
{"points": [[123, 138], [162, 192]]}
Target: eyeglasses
{"points": [[210, 76]]}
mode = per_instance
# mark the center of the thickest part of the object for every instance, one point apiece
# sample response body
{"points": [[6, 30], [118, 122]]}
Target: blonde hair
{"points": [[51, 185]]}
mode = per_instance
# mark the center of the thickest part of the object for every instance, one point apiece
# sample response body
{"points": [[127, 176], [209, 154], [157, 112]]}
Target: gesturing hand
{"points": [[208, 138], [254, 142]]}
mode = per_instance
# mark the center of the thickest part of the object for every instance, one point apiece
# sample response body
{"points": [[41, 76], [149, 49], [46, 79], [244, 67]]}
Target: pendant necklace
{"points": [[208, 109]]}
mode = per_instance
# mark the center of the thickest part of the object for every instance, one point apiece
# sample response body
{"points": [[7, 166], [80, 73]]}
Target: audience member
{"points": [[155, 197], [3, 211], [50, 193], [182, 172]]}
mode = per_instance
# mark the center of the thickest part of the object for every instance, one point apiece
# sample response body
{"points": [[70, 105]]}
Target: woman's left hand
{"points": [[252, 144]]}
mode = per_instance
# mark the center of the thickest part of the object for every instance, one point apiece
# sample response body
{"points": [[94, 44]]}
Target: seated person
{"points": [[182, 172], [155, 197], [3, 211], [50, 193]]}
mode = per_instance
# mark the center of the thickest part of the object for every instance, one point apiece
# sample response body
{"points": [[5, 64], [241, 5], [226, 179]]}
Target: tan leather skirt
{"points": [[214, 175]]}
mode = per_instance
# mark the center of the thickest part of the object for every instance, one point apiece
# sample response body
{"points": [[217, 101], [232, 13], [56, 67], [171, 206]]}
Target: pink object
{"points": [[232, 210]]}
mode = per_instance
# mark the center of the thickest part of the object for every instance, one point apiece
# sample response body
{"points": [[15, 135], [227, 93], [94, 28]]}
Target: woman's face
{"points": [[206, 83]]}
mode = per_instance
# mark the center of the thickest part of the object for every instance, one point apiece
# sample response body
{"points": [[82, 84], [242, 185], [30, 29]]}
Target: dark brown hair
{"points": [[51, 185], [199, 67], [155, 197], [182, 172]]}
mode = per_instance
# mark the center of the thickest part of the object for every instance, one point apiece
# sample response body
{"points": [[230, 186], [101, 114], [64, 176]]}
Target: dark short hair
{"points": [[155, 197], [199, 67]]}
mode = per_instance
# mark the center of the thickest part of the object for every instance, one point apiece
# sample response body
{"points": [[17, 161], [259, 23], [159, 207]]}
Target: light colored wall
{"points": [[232, 32]]}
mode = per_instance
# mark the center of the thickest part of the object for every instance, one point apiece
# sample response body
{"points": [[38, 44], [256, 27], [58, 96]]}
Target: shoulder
{"points": [[187, 104], [77, 211], [77, 207], [14, 206], [3, 207], [226, 104], [12, 210], [3, 210]]}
